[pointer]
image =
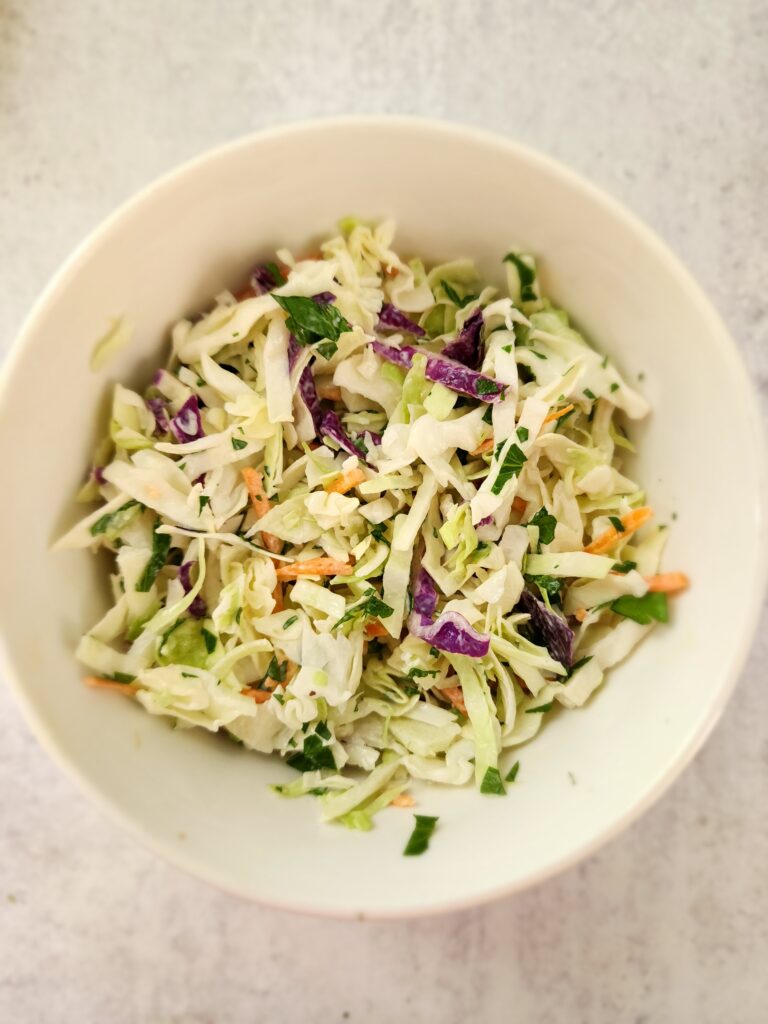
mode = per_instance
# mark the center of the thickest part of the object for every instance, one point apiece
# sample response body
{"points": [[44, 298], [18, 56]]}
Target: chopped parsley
{"points": [[204, 500], [590, 394], [311, 321], [487, 386], [624, 567], [646, 609], [314, 754], [512, 773], [422, 833], [276, 670], [614, 386], [238, 443], [492, 782], [289, 622], [540, 709], [209, 639], [370, 607], [616, 523], [161, 543], [546, 524], [549, 585], [522, 433], [511, 464], [527, 276], [115, 521]]}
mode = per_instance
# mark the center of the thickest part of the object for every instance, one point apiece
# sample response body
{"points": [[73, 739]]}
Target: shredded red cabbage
{"points": [[186, 425], [468, 346], [307, 388], [197, 609], [392, 319], [263, 279], [157, 408], [331, 426], [424, 595], [549, 629], [451, 374], [452, 633]]}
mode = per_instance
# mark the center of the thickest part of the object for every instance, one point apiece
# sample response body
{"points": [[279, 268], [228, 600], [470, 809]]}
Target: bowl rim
{"points": [[672, 265]]}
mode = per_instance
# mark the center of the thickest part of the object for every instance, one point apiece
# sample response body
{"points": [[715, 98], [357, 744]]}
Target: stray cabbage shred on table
{"points": [[373, 516]]}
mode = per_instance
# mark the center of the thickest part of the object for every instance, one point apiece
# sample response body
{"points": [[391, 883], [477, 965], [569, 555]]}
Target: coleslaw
{"points": [[373, 518]]}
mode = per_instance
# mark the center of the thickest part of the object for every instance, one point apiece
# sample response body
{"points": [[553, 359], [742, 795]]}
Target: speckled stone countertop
{"points": [[663, 104]]}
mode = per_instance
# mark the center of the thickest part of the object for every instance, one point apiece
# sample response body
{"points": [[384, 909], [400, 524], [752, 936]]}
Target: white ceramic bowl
{"points": [[201, 801]]}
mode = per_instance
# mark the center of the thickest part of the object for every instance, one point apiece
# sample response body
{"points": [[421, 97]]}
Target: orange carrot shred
{"points": [[111, 684], [314, 567], [345, 482], [558, 413], [403, 800], [631, 521], [261, 505], [519, 505], [456, 696], [260, 696], [277, 596], [667, 583], [375, 628], [329, 391], [483, 447], [580, 614]]}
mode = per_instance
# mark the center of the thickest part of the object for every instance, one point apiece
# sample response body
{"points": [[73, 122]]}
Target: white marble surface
{"points": [[662, 103]]}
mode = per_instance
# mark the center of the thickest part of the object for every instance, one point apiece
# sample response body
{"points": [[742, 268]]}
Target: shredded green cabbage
{"points": [[442, 510]]}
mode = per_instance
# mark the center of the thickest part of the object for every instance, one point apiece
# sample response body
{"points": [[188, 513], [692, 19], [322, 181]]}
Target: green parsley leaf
{"points": [[452, 294], [540, 709], [311, 321], [113, 522], [648, 608], [546, 524], [487, 386], [492, 782], [369, 607], [238, 444], [290, 622], [577, 665], [522, 433], [513, 462], [275, 670], [421, 673], [119, 677], [210, 640], [488, 415], [549, 585], [590, 394], [314, 755], [379, 532], [614, 386], [512, 773], [327, 349], [322, 730], [624, 567], [616, 523], [274, 270], [161, 543], [422, 833], [526, 274], [204, 500]]}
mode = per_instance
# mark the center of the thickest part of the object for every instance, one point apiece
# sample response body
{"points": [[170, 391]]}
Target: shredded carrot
{"points": [[345, 481], [631, 521], [277, 596], [261, 505], [456, 696], [260, 696], [245, 293], [558, 413], [314, 567], [111, 684], [329, 392], [667, 583], [519, 505], [403, 800], [580, 614], [375, 628], [483, 447]]}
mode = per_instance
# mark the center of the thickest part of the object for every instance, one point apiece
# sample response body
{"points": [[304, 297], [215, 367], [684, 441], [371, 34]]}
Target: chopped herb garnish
{"points": [[540, 709], [539, 355], [488, 415], [486, 386], [577, 665], [522, 433], [209, 639], [204, 500], [120, 677], [512, 463], [512, 773], [616, 523], [549, 585], [327, 349], [379, 532], [451, 293], [614, 386], [422, 833], [114, 521], [546, 524], [161, 543], [276, 670], [604, 363], [421, 673], [526, 274], [590, 394], [314, 755], [648, 608], [434, 652], [238, 444], [370, 607], [624, 567], [492, 782], [311, 321], [275, 273], [289, 622], [322, 730]]}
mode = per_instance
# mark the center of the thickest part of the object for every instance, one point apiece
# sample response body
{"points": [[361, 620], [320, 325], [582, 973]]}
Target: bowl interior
{"points": [[201, 800]]}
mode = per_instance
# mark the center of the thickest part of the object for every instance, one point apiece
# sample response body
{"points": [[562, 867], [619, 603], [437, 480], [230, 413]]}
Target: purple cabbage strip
{"points": [[323, 298], [485, 521], [452, 633], [198, 608], [186, 425], [98, 475], [424, 596], [375, 438], [262, 279], [391, 319], [448, 372], [549, 629], [157, 408], [331, 426], [468, 346], [307, 388]]}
